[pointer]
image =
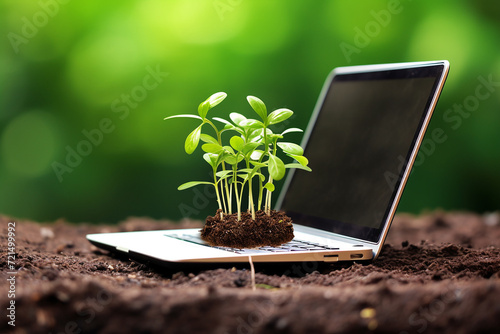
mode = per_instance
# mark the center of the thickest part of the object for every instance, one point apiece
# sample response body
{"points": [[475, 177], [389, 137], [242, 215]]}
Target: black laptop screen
{"points": [[365, 132]]}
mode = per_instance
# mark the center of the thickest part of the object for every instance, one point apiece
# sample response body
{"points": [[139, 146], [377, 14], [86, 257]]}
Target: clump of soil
{"points": [[265, 230]]}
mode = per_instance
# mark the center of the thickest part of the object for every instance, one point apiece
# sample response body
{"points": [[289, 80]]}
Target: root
{"points": [[252, 272]]}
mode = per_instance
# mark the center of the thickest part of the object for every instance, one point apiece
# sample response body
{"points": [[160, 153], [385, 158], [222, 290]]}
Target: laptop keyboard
{"points": [[292, 246]]}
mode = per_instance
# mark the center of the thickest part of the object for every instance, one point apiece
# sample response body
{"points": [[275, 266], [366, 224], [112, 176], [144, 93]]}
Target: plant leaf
{"points": [[211, 158], [225, 176], [300, 158], [255, 171], [258, 106], [249, 147], [234, 128], [256, 154], [216, 98], [203, 109], [223, 173], [262, 177], [251, 124], [183, 116], [237, 118], [208, 139], [258, 164], [222, 120], [279, 115], [192, 184], [245, 170], [291, 148], [255, 135], [221, 156], [192, 140], [243, 176], [252, 174], [298, 166], [232, 160], [291, 130], [212, 148], [269, 186], [276, 167], [209, 103], [237, 142], [229, 149]]}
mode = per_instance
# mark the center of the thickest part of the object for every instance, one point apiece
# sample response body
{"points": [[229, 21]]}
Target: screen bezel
{"points": [[437, 70]]}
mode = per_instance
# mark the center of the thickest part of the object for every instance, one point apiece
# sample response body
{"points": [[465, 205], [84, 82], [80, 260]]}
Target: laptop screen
{"points": [[358, 148]]}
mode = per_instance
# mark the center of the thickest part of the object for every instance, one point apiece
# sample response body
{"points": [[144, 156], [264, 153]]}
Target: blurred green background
{"points": [[85, 85]]}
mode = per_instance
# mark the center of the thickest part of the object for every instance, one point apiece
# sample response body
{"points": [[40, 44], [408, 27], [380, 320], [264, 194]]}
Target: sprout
{"points": [[251, 153]]}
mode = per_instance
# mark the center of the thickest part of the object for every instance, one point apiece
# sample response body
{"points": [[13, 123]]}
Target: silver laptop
{"points": [[361, 141]]}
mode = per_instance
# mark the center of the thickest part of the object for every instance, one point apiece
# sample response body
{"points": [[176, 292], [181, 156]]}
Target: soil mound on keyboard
{"points": [[265, 230]]}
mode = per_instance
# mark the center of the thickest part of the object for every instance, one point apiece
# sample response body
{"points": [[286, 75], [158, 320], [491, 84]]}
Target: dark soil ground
{"points": [[438, 273]]}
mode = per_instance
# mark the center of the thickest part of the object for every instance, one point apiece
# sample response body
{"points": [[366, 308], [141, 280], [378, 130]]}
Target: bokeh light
{"points": [[28, 144]]}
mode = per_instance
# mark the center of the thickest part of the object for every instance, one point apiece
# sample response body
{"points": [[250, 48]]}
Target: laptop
{"points": [[361, 141]]}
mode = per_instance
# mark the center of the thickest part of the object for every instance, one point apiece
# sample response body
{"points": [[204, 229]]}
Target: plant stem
{"points": [[261, 190], [235, 184], [228, 192], [250, 195], [252, 273], [261, 187], [206, 120], [230, 197], [269, 193], [238, 201], [241, 197], [223, 197], [218, 196], [267, 205]]}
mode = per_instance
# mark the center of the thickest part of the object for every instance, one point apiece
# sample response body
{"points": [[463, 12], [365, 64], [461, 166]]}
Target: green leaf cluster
{"points": [[249, 153]]}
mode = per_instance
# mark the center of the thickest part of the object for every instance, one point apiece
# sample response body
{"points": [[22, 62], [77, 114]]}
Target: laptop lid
{"points": [[361, 143]]}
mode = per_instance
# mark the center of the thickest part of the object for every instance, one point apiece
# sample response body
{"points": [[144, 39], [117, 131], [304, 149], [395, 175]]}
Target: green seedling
{"points": [[251, 153]]}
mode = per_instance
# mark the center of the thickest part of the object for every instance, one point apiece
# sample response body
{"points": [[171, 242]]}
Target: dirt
{"points": [[438, 273], [265, 230]]}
